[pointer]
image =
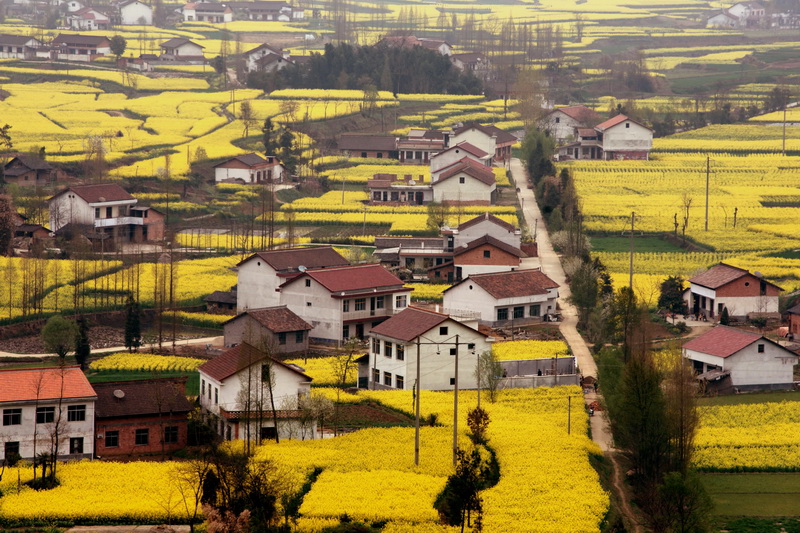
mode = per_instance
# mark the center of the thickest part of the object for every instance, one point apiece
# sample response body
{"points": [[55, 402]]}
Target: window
{"points": [[399, 382], [443, 330], [471, 346], [400, 302], [519, 311], [387, 349], [216, 395], [265, 373], [45, 415], [142, 437], [462, 180], [363, 154], [171, 435], [75, 445], [282, 337], [379, 302], [361, 304], [401, 352], [76, 413], [109, 212], [345, 332], [376, 346], [299, 337], [627, 124], [558, 120], [308, 283], [12, 417], [96, 212], [452, 381], [376, 375], [502, 313], [487, 254], [453, 351], [387, 379], [308, 304], [535, 310], [345, 306], [202, 387], [760, 348], [112, 439], [11, 448]]}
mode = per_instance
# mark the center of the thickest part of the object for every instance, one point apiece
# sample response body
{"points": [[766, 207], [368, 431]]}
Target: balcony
{"points": [[117, 221]]}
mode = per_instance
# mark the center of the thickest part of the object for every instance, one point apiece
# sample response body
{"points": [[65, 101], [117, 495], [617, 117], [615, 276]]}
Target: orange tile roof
{"points": [[31, 384]]}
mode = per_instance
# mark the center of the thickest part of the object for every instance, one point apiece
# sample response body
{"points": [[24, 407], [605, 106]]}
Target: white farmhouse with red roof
{"points": [[618, 138], [465, 181], [242, 373], [725, 286], [749, 360], [561, 122], [34, 401], [344, 302], [392, 358], [456, 153]]}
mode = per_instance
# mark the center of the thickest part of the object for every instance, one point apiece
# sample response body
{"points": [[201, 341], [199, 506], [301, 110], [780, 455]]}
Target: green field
{"points": [[641, 244], [192, 384], [754, 494]]}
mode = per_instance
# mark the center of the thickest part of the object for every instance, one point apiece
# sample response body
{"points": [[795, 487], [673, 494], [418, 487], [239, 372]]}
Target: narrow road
{"points": [[551, 266]]}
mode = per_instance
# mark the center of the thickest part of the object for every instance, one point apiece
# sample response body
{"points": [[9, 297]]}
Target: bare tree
{"points": [[686, 205], [488, 372]]}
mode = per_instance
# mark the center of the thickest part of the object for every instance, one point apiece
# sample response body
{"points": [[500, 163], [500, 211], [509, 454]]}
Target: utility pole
{"points": [[784, 128], [455, 411], [630, 269], [569, 415], [416, 423], [708, 178]]}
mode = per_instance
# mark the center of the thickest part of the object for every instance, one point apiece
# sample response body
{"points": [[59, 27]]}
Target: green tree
{"points": [[671, 298], [626, 318], [118, 45], [59, 335], [438, 215], [461, 494], [133, 327], [288, 152], [7, 212], [247, 117], [478, 422], [725, 317], [685, 503], [584, 289], [82, 347], [5, 146], [269, 137]]}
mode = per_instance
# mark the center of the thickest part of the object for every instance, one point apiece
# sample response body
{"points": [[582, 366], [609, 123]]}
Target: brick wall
{"points": [[127, 435]]}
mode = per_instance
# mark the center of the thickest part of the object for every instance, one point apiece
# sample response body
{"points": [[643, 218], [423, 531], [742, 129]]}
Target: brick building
{"points": [[139, 417]]}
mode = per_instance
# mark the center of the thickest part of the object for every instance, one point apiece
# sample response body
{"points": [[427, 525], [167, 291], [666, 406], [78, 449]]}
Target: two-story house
{"points": [[105, 208], [238, 389], [432, 340], [749, 360], [485, 224], [618, 138], [254, 59], [501, 298], [419, 145], [725, 286], [277, 327], [465, 181], [488, 138], [249, 168], [46, 410], [562, 122], [260, 275], [344, 302], [135, 13], [484, 254], [456, 153], [88, 19]]}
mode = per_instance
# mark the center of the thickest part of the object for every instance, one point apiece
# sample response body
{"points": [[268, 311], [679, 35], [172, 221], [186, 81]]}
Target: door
{"points": [[360, 331], [371, 307]]}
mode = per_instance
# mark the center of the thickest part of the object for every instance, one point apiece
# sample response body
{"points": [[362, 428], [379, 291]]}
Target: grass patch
{"points": [[759, 397], [192, 384], [641, 245], [754, 494], [759, 525]]}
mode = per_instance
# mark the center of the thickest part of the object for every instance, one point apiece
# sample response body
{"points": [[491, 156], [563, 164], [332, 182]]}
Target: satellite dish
{"points": [[119, 394], [302, 268]]}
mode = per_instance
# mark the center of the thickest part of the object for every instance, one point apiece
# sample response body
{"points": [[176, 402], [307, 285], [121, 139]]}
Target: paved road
{"points": [[551, 265]]}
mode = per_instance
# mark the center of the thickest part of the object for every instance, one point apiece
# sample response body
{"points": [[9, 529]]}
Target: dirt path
{"points": [[629, 517]]}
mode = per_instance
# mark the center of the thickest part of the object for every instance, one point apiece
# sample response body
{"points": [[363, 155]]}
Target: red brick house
{"points": [[794, 321], [279, 326], [725, 286], [141, 417], [483, 255]]}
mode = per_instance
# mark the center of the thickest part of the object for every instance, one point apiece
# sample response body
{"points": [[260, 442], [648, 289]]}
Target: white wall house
{"points": [[37, 402], [99, 205], [207, 12], [562, 121], [485, 224], [257, 54], [235, 394], [179, 48], [488, 138], [723, 19], [503, 298], [725, 286], [392, 358], [456, 153], [750, 360], [135, 13], [74, 5], [249, 168], [77, 47], [261, 274], [18, 46], [88, 19], [345, 302], [624, 138], [464, 181]]}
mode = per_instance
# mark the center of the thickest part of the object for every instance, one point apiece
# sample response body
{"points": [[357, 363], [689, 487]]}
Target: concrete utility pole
{"points": [[630, 268], [708, 178], [416, 405], [455, 411]]}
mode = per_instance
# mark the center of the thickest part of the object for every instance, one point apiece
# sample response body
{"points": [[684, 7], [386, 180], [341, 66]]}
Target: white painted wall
{"points": [[748, 367], [24, 433], [627, 136], [257, 284], [314, 305], [560, 125], [477, 138], [472, 190], [448, 157], [469, 296], [486, 227], [133, 14], [69, 207], [247, 175]]}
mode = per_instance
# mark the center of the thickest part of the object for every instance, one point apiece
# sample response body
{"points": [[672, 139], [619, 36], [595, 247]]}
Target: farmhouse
{"points": [[434, 340], [474, 62], [618, 138], [275, 327], [419, 145], [344, 302], [24, 171], [361, 145], [106, 209], [236, 401], [76, 47], [794, 321], [723, 19], [88, 19], [749, 360], [141, 417], [465, 181], [410, 41], [18, 46], [207, 12], [485, 224], [249, 168], [388, 188], [456, 153], [413, 253], [489, 138], [39, 404], [265, 58], [181, 49], [260, 10], [502, 298], [750, 14], [725, 286], [222, 302], [484, 254], [561, 122], [135, 13]]}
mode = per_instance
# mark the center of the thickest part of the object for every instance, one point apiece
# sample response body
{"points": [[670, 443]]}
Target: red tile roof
{"points": [[488, 217], [176, 42], [613, 121], [722, 274], [238, 358], [470, 167], [511, 284], [278, 319], [722, 341], [488, 239], [30, 384], [795, 310], [141, 398], [251, 160], [409, 324], [102, 192], [501, 136], [467, 147], [291, 259], [352, 278], [578, 112], [359, 141]]}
